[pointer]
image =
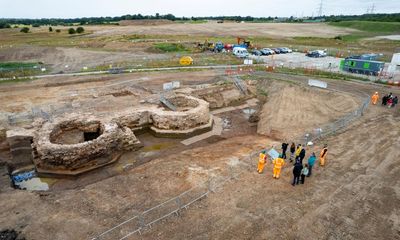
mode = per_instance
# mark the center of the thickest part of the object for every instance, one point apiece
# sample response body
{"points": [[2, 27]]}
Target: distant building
{"points": [[394, 65]]}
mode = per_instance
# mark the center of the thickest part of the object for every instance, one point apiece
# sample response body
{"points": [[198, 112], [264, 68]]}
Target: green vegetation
{"points": [[58, 30], [71, 31], [18, 69], [170, 47], [50, 29], [318, 73], [371, 27], [16, 65], [4, 25], [379, 17], [15, 80], [80, 30], [24, 30]]}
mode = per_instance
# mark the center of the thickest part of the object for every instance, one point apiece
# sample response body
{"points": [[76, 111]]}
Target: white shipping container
{"points": [[396, 59]]}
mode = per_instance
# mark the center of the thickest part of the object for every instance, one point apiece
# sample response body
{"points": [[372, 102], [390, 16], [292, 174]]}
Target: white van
{"points": [[240, 52]]}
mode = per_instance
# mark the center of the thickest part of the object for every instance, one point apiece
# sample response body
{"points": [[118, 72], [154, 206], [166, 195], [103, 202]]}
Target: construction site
{"points": [[141, 146]]}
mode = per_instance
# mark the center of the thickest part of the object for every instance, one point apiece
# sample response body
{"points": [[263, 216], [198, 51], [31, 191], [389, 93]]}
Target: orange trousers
{"points": [[322, 161], [260, 167], [277, 172]]}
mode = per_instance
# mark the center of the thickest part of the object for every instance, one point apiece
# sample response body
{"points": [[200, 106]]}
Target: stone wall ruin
{"points": [[78, 144]]}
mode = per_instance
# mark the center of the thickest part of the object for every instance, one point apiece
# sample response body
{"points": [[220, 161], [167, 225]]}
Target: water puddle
{"points": [[248, 112], [29, 181]]}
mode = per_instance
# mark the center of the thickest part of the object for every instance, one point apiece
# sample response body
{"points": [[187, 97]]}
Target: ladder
{"points": [[240, 85], [167, 103]]}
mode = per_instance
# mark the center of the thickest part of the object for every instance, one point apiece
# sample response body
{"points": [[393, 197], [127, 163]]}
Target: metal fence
{"points": [[174, 206], [139, 223]]}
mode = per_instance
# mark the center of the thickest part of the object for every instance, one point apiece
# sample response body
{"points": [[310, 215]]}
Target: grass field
{"points": [[16, 65], [171, 47], [19, 69], [370, 27]]}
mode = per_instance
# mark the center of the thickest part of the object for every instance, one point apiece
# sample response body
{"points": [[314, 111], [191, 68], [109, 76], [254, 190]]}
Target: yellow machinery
{"points": [[186, 61]]}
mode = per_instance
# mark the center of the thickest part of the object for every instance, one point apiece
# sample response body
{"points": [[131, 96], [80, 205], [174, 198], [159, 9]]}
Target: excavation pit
{"points": [[65, 133], [182, 103]]}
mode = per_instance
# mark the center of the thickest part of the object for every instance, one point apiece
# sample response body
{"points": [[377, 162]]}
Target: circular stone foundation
{"points": [[190, 113], [79, 145], [183, 103]]}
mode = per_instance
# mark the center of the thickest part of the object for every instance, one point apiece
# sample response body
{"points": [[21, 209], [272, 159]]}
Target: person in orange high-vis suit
{"points": [[375, 98], [278, 164], [322, 155], [261, 162]]}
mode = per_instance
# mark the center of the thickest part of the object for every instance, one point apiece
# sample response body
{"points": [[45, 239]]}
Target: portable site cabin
{"points": [[362, 66], [370, 56], [394, 65]]}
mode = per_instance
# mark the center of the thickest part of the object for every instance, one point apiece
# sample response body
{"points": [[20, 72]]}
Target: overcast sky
{"points": [[188, 8]]}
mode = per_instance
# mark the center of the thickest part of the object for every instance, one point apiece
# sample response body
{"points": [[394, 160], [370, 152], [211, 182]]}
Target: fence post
{"points": [[179, 203], [141, 223], [209, 185]]}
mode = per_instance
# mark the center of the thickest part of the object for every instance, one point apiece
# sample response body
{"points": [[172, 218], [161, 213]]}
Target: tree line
{"points": [[6, 23]]}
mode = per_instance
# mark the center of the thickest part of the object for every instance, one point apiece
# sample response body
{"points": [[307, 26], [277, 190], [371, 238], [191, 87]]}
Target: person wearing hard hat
{"points": [[322, 156], [375, 98], [261, 162], [278, 164]]}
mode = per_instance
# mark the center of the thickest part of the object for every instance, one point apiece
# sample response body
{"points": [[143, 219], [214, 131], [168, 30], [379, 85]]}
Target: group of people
{"points": [[388, 100], [297, 154]]}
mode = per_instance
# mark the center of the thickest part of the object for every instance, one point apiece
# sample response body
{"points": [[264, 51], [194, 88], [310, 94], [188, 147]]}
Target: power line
{"points": [[373, 8], [320, 8]]}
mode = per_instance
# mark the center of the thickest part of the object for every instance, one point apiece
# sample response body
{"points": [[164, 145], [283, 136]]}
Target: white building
{"points": [[394, 65]]}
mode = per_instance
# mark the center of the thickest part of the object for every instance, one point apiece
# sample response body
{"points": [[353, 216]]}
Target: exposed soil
{"points": [[152, 22], [276, 30], [289, 107], [62, 59], [355, 196]]}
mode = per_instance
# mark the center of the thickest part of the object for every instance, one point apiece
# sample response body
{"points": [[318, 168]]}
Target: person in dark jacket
{"points": [[296, 173], [384, 100], [292, 150], [284, 149], [395, 101], [302, 155]]}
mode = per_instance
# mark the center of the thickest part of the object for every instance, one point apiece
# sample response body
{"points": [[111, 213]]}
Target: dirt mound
{"points": [[152, 22], [290, 106]]}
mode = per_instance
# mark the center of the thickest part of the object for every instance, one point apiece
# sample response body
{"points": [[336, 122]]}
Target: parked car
{"points": [[287, 50], [276, 50], [316, 54], [256, 52], [267, 51], [240, 52]]}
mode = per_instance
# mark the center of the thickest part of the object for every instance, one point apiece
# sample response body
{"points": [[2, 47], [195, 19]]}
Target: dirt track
{"points": [[356, 196]]}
